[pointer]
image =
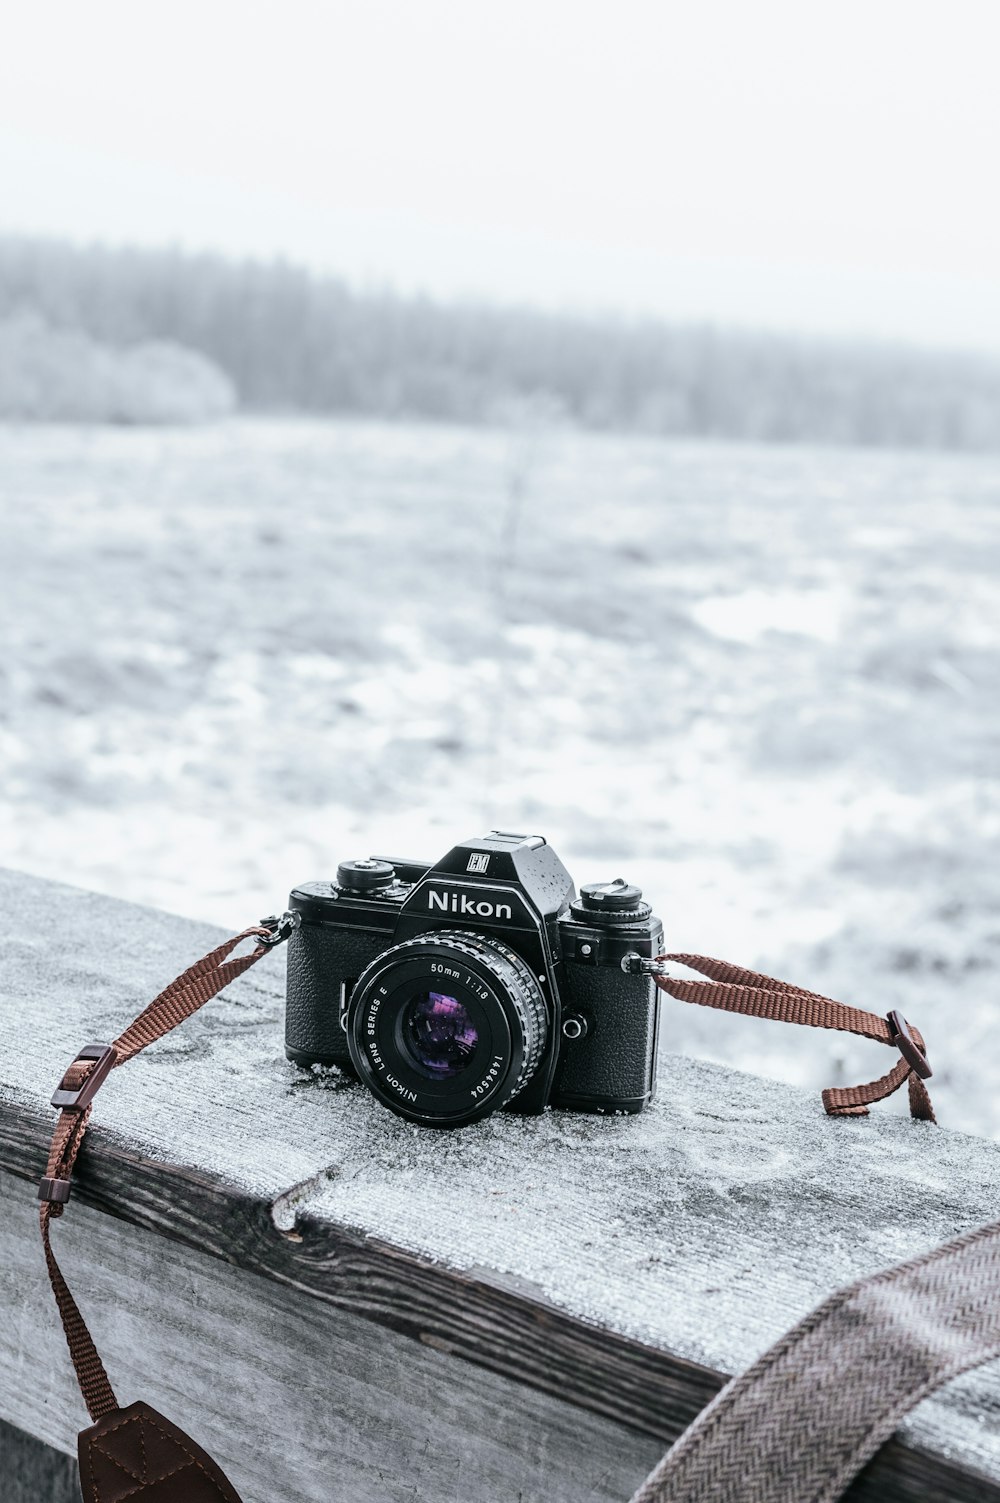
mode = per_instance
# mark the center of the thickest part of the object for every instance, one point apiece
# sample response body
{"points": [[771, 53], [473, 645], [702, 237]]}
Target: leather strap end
{"points": [[136, 1453]]}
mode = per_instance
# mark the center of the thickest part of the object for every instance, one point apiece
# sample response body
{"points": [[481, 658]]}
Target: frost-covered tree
{"points": [[68, 375]]}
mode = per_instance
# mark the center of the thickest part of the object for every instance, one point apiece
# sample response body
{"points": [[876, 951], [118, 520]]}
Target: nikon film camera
{"points": [[480, 982]]}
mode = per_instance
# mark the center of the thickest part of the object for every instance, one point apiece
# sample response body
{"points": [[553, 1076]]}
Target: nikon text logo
{"points": [[466, 906]]}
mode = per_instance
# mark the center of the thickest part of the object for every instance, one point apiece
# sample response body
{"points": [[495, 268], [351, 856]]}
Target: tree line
{"points": [[290, 340]]}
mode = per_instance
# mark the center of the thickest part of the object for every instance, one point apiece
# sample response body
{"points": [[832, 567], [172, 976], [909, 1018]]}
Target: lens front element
{"points": [[439, 1034], [447, 1027]]}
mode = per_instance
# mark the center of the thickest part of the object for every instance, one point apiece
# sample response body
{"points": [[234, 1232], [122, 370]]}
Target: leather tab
{"points": [[138, 1455]]}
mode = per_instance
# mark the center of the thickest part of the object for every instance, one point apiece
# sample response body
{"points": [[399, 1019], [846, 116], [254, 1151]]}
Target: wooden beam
{"points": [[615, 1271]]}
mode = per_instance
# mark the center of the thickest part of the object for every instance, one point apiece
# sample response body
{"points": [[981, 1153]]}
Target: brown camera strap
{"points": [[141, 1442], [735, 989], [135, 1446]]}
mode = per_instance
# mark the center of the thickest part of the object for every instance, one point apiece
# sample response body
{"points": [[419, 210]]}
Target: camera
{"points": [[483, 981]]}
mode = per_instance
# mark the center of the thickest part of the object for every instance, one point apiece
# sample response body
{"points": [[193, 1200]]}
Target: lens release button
{"points": [[587, 949]]}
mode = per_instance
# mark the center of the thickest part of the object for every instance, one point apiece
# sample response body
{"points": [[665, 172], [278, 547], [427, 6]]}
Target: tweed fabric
{"points": [[799, 1424]]}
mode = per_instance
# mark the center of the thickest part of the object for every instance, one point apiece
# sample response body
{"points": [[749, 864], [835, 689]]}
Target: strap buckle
{"points": [[908, 1046], [78, 1098]]}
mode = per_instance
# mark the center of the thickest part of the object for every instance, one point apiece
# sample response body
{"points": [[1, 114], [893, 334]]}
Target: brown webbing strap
{"points": [[709, 1461], [735, 989], [799, 1424], [183, 997]]}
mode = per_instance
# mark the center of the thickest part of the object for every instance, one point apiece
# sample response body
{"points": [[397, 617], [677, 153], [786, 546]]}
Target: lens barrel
{"points": [[447, 1027]]}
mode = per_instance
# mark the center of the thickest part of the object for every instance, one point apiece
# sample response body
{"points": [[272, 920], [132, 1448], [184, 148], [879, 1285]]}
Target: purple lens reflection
{"points": [[439, 1034]]}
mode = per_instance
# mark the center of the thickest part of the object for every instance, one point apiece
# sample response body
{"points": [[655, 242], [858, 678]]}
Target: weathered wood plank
{"points": [[297, 1400], [479, 1316], [618, 1268], [32, 1472], [641, 1391]]}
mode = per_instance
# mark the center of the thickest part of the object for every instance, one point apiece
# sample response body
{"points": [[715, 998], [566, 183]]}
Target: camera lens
{"points": [[439, 1034], [447, 1027]]}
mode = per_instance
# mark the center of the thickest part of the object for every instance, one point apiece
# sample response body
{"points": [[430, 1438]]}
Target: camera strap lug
{"points": [[279, 928], [641, 965]]}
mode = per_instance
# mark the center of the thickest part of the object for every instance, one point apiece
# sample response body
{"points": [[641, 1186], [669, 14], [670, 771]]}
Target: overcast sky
{"points": [[827, 167]]}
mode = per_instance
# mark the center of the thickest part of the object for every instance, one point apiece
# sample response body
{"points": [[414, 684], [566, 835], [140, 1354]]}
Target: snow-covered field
{"points": [[763, 682]]}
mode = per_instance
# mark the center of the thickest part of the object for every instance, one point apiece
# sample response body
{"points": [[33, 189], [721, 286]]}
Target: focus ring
{"points": [[522, 989]]}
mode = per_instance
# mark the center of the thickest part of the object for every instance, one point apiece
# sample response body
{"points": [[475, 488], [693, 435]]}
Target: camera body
{"points": [[479, 982]]}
